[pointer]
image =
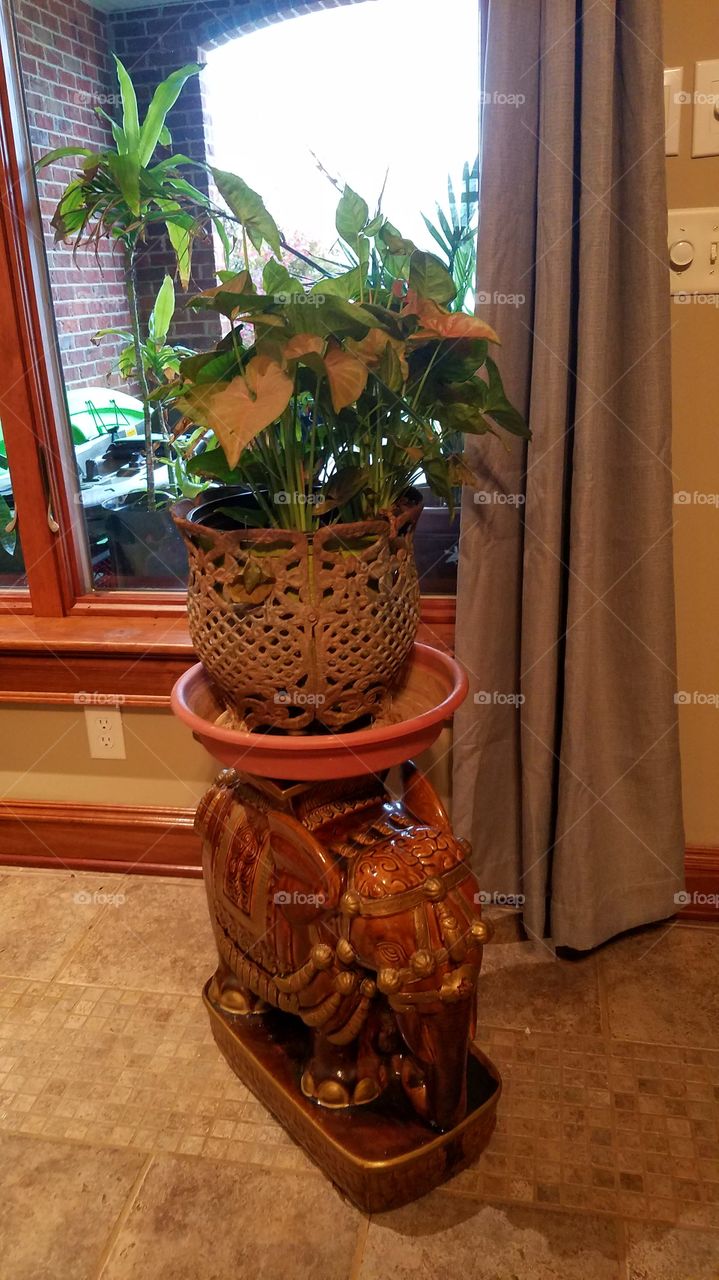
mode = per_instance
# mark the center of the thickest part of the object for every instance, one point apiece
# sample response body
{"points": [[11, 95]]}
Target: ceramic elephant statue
{"points": [[353, 909]]}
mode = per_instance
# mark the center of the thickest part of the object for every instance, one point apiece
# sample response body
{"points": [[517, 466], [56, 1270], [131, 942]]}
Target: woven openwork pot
{"points": [[304, 630]]}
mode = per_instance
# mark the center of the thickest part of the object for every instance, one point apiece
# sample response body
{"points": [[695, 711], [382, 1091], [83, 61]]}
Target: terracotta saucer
{"points": [[434, 686]]}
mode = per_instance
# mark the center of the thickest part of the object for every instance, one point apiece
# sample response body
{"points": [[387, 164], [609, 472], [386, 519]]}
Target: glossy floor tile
{"points": [[229, 1223], [158, 938], [663, 984], [443, 1237], [44, 914], [525, 985], [135, 1152], [59, 1204]]}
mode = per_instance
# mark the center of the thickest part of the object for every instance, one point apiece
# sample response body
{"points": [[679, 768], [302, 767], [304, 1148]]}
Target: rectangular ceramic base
{"points": [[380, 1155]]}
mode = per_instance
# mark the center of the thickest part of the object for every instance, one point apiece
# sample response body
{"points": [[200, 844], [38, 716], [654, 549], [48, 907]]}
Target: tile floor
{"points": [[129, 1151]]}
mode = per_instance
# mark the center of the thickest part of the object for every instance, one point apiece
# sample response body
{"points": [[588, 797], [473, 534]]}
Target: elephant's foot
{"points": [[339, 1093], [228, 995], [340, 1077]]}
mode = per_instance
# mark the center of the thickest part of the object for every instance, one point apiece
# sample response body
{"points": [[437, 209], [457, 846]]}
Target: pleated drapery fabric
{"points": [[566, 751]]}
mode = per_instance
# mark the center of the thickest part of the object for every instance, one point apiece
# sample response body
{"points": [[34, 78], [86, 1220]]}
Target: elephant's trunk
{"points": [[435, 1077]]}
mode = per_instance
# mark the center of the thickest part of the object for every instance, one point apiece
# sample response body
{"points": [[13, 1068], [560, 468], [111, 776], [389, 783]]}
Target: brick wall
{"points": [[65, 60], [67, 70]]}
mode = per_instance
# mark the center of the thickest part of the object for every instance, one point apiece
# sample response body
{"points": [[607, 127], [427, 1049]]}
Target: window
{"points": [[71, 424]]}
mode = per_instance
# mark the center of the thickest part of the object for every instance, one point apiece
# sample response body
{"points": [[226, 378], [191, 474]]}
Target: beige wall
{"points": [[44, 755], [691, 32]]}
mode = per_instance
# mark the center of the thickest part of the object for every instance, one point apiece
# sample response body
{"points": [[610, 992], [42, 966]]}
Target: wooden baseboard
{"points": [[99, 837], [147, 840], [702, 884]]}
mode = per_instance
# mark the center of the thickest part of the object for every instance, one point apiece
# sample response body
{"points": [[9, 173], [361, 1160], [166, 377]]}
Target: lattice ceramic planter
{"points": [[300, 630]]}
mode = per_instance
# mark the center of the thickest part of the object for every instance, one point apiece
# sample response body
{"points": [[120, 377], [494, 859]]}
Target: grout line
{"points": [[357, 1257], [69, 957], [621, 1234], [603, 996], [85, 985], [122, 1217]]}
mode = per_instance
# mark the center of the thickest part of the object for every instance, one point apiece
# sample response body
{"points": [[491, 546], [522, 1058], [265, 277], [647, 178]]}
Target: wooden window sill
{"points": [[135, 659]]}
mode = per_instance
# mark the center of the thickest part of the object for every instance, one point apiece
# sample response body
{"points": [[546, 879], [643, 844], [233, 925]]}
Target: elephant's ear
{"points": [[296, 852], [422, 800]]}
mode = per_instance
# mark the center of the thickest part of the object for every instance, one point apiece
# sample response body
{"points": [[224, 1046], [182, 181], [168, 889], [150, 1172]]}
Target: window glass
{"points": [[284, 106], [12, 565]]}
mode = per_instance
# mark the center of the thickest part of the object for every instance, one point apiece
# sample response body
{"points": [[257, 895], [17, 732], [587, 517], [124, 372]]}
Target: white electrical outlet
{"points": [[104, 733]]}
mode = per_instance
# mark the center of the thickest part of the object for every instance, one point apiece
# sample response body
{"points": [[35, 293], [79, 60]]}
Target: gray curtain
{"points": [[566, 757]]}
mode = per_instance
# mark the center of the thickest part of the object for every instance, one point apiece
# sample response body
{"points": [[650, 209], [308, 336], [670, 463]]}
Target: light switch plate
{"points": [[705, 138], [673, 99], [699, 230]]}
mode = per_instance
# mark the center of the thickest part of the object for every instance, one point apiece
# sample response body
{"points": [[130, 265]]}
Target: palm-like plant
{"points": [[119, 193], [456, 235]]}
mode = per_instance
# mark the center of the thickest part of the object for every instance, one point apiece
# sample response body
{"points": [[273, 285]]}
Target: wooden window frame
{"points": [[57, 641]]}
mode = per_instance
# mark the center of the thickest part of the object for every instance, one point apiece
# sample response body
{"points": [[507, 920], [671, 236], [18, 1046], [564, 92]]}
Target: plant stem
{"points": [[141, 374]]}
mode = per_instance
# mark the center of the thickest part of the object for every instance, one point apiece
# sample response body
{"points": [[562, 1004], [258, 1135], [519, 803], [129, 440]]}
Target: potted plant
{"points": [[323, 405]]}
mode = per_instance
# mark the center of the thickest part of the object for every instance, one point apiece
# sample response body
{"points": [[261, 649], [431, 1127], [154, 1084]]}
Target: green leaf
{"points": [[60, 153], [117, 133], [397, 245], [351, 217], [446, 248], [430, 278], [224, 239], [343, 486], [374, 227], [212, 463], [209, 366], [126, 175], [437, 472], [459, 360], [498, 407], [162, 312], [165, 138], [180, 227], [249, 209], [130, 121], [277, 281], [164, 97], [330, 317], [348, 285], [72, 212]]}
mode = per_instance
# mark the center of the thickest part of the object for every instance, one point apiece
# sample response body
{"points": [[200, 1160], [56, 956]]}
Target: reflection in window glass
{"points": [[361, 130], [12, 565]]}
